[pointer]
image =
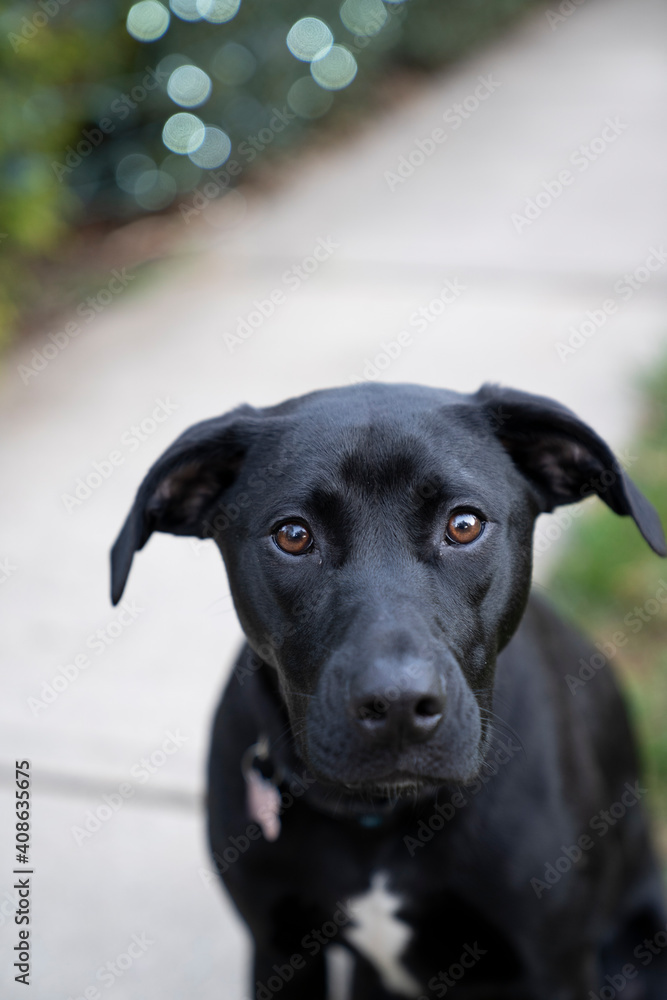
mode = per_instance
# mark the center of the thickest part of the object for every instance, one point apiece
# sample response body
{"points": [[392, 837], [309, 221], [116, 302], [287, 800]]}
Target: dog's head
{"points": [[377, 540]]}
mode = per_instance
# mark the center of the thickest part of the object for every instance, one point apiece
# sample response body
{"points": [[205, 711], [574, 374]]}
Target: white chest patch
{"points": [[381, 937]]}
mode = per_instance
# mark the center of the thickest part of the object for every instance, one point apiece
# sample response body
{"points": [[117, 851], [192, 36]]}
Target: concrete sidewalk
{"points": [[527, 258]]}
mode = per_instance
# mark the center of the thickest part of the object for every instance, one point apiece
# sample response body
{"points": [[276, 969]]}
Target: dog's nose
{"points": [[405, 706]]}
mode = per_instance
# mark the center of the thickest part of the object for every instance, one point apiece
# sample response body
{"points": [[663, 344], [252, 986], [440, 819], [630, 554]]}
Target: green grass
{"points": [[647, 695], [607, 571]]}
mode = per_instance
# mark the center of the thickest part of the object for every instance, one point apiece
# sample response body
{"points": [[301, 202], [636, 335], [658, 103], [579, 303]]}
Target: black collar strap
{"points": [[369, 815]]}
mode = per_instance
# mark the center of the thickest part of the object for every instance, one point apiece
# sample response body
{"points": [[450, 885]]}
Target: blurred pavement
{"points": [[158, 358]]}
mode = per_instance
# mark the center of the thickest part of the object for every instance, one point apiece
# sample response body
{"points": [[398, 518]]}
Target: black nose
{"points": [[399, 706]]}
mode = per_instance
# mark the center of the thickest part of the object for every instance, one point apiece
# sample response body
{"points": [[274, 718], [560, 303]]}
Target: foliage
{"points": [[68, 63], [608, 572], [50, 71]]}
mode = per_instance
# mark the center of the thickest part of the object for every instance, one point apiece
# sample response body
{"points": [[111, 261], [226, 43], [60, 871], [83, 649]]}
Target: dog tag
{"points": [[263, 803]]}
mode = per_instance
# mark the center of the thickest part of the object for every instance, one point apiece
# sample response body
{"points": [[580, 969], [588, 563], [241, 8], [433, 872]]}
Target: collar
{"points": [[267, 784]]}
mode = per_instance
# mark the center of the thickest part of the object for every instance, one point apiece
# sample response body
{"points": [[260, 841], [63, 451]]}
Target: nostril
{"points": [[372, 712], [428, 706]]}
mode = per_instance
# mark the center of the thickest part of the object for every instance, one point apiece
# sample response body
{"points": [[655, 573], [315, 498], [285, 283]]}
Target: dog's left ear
{"points": [[180, 492], [564, 459]]}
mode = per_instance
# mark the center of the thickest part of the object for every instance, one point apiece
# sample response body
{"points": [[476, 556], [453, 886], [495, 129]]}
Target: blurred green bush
{"points": [[69, 65], [51, 65], [610, 582]]}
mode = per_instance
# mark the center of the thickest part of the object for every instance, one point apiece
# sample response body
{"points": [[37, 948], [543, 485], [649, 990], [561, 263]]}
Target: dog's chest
{"points": [[381, 936]]}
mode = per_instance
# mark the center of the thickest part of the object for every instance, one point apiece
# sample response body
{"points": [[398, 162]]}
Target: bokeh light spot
{"points": [[363, 17], [309, 38], [148, 20], [308, 100], [214, 149], [130, 169], [218, 11], [183, 133], [189, 86], [335, 70], [154, 189], [168, 64], [185, 9], [186, 174], [233, 64]]}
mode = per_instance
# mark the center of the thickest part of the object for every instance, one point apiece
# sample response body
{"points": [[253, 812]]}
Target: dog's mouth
{"points": [[376, 798], [394, 786]]}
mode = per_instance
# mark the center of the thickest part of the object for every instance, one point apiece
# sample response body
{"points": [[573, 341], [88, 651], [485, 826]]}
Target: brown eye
{"points": [[293, 538], [463, 527]]}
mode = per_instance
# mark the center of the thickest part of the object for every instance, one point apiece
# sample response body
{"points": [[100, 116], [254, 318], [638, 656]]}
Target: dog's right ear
{"points": [[184, 485], [564, 459]]}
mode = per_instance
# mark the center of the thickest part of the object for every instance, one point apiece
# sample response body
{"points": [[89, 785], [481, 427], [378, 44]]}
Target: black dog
{"points": [[398, 764]]}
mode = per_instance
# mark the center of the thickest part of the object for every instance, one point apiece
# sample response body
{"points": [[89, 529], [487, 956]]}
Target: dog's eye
{"points": [[293, 538], [463, 527]]}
